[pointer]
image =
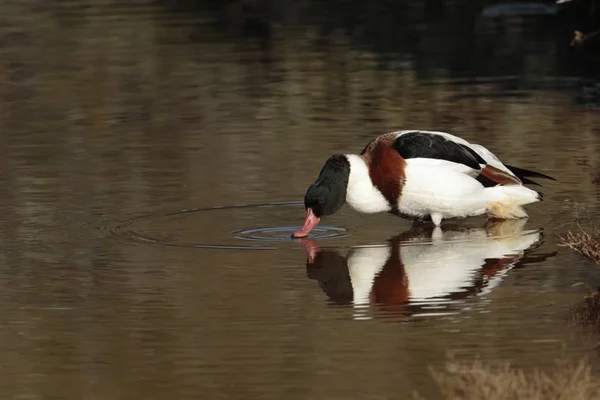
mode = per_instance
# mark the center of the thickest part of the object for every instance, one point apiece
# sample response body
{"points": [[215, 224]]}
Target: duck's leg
{"points": [[436, 218]]}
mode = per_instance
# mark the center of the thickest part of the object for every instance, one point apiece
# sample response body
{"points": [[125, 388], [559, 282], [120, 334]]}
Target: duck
{"points": [[420, 175]]}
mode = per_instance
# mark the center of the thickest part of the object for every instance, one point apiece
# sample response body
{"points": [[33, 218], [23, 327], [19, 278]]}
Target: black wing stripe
{"points": [[528, 181], [479, 159], [521, 173], [426, 145]]}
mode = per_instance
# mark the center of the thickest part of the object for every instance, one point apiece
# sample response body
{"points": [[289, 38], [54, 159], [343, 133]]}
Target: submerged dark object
{"points": [[587, 15], [586, 40]]}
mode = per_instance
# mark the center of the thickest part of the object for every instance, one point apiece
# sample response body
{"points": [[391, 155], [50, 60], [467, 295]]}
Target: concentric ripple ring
{"points": [[130, 230], [283, 233]]}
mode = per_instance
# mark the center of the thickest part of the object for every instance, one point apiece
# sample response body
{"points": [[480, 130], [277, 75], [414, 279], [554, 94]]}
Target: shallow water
{"points": [[153, 161]]}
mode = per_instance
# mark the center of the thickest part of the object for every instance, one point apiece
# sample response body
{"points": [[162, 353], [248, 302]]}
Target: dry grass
{"points": [[585, 241], [478, 381]]}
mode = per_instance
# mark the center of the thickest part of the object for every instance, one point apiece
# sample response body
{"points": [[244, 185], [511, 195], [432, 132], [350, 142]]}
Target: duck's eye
{"points": [[321, 200]]}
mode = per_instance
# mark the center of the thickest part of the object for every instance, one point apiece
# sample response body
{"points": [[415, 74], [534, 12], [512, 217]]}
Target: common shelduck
{"points": [[418, 175]]}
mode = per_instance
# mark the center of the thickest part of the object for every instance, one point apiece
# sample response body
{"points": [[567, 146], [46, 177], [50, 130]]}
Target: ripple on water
{"points": [[284, 233], [218, 227]]}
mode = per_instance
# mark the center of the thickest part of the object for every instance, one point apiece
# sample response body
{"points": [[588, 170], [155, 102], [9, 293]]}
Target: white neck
{"points": [[361, 195]]}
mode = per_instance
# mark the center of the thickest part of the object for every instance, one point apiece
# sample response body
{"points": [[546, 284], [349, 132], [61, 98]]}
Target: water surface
{"points": [[124, 126]]}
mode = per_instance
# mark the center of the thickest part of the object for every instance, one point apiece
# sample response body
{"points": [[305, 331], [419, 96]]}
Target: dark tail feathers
{"points": [[523, 173]]}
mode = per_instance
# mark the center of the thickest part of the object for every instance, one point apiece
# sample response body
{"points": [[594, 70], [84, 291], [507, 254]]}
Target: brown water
{"points": [[123, 126]]}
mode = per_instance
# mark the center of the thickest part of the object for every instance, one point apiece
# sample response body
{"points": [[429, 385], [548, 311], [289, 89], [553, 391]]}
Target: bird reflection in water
{"points": [[425, 270]]}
